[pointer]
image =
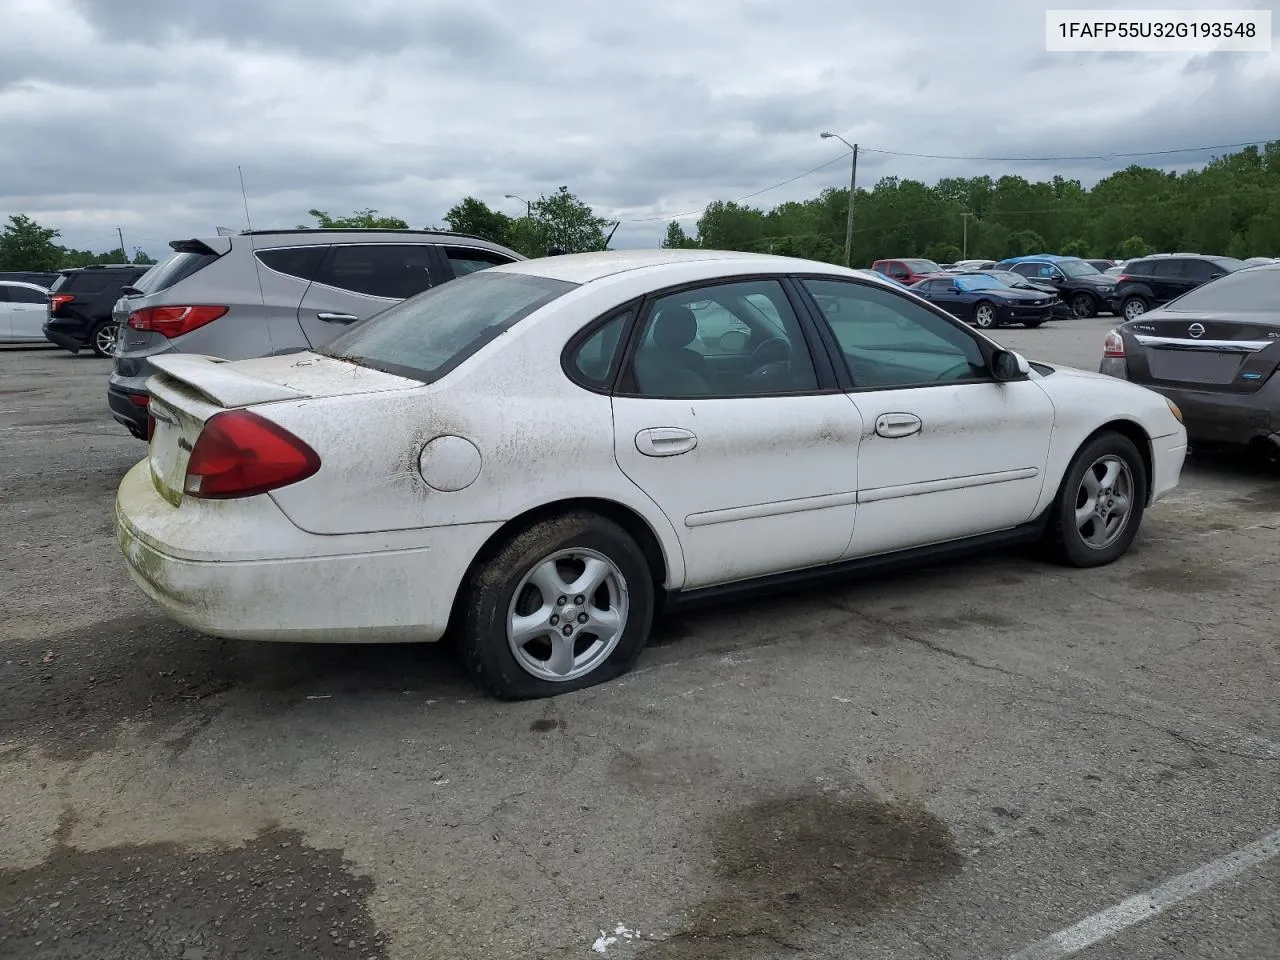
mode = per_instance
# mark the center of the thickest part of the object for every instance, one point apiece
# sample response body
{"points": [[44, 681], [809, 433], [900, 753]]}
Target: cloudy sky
{"points": [[136, 112]]}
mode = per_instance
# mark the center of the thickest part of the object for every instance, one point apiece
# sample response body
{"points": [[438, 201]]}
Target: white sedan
{"points": [[24, 308], [542, 455]]}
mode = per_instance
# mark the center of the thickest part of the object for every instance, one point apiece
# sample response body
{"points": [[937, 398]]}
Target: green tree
{"points": [[367, 219], [676, 238], [1133, 247], [1024, 242], [26, 245], [943, 252], [568, 223], [475, 217], [1074, 248], [142, 258]]}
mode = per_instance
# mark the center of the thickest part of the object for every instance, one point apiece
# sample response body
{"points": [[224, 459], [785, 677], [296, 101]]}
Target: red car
{"points": [[906, 270]]}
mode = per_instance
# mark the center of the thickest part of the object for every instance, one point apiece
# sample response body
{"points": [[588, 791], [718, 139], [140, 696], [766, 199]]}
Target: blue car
{"points": [[986, 302]]}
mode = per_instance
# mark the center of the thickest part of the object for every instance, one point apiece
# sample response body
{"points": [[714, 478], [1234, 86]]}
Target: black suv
{"points": [[1081, 286], [80, 303], [1155, 280]]}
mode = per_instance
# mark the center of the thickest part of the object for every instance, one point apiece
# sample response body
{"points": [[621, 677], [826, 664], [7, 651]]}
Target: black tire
{"points": [[1063, 537], [1084, 306], [490, 590], [98, 334], [1139, 303]]}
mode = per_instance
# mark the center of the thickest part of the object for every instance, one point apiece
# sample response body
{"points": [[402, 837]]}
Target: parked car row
{"points": [[71, 308]]}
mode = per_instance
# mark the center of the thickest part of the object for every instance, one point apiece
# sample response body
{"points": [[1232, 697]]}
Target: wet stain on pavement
{"points": [[784, 870], [273, 897], [546, 725], [658, 769], [1263, 500], [1188, 578]]}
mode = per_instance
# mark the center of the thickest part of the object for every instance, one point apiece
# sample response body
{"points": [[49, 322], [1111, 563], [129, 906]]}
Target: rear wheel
{"points": [[564, 604], [1100, 503], [103, 338], [984, 316], [1133, 308]]}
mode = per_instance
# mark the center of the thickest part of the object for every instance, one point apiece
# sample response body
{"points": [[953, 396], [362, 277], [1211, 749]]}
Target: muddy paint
{"points": [[273, 897], [788, 872]]}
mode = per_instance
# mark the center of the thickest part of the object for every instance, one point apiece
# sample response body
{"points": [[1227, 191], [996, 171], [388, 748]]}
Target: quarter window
{"points": [[728, 340], [389, 271], [889, 341], [298, 262], [595, 360]]}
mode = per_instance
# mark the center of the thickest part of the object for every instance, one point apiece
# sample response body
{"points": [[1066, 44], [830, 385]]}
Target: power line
{"points": [[939, 156], [1108, 156], [691, 213]]}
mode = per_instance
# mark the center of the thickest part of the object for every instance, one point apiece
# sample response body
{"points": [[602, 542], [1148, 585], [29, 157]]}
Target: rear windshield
{"points": [[1229, 263], [1252, 288], [425, 337], [168, 272], [1077, 268]]}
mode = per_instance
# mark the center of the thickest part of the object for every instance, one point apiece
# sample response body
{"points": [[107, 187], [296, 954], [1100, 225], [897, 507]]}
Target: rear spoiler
{"points": [[218, 383], [213, 247]]}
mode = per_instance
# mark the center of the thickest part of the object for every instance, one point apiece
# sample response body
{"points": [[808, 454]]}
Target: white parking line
{"points": [[1144, 906]]}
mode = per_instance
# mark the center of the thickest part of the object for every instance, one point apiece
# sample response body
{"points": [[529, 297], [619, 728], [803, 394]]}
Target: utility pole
{"points": [[853, 190], [120, 234], [964, 247]]}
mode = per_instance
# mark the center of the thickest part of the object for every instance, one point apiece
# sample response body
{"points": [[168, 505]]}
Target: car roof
{"points": [[106, 266], [1049, 257], [361, 232], [23, 283], [586, 267]]}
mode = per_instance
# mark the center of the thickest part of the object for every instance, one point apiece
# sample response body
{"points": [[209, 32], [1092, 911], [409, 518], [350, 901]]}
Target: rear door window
{"points": [[26, 295], [1165, 269], [465, 260], [390, 271], [301, 263]]}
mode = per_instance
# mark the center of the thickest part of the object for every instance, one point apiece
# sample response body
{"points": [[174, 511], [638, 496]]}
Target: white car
{"points": [[541, 455], [24, 308]]}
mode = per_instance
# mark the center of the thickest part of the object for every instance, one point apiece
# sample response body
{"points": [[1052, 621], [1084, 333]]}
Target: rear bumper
{"points": [[68, 334], [386, 592], [125, 410], [1214, 417]]}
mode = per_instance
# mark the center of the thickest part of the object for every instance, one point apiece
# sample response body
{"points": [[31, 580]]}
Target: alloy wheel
{"points": [[1104, 501]]}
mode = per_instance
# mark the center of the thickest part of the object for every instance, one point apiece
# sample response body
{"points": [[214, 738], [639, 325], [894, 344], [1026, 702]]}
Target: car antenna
{"points": [[253, 255]]}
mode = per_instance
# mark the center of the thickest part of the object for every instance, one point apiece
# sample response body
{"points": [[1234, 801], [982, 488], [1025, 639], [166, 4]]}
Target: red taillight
{"points": [[1113, 348], [140, 399], [1123, 276], [57, 300], [174, 321], [240, 454]]}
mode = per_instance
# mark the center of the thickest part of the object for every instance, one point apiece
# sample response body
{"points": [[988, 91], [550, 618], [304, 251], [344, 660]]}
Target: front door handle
{"points": [[894, 425], [338, 317], [665, 441]]}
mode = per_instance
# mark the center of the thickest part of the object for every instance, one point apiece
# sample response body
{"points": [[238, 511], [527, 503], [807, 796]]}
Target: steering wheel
{"points": [[962, 367], [761, 355]]}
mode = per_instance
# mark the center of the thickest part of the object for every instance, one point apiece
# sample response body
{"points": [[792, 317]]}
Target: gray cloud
{"points": [[143, 113]]}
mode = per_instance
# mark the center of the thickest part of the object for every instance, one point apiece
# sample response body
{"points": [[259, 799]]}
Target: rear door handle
{"points": [[338, 317], [665, 441], [894, 425]]}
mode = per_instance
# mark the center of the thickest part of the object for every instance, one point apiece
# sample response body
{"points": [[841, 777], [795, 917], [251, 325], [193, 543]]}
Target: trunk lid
{"points": [[1228, 353], [188, 390]]}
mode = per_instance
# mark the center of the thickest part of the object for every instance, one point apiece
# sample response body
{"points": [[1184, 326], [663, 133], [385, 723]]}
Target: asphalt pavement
{"points": [[961, 761]]}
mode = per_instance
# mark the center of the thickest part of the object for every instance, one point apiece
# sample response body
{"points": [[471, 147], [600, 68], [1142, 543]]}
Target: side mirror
{"points": [[1007, 365], [954, 289]]}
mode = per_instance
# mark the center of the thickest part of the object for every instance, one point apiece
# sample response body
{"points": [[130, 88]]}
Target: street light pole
{"points": [[964, 248], [528, 207], [853, 189]]}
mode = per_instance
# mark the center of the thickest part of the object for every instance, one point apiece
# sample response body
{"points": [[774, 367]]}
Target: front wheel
{"points": [[103, 339], [1083, 306], [984, 316], [1100, 504], [565, 604], [1133, 308]]}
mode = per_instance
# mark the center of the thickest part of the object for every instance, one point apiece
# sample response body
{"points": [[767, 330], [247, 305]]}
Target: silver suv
{"points": [[266, 292]]}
